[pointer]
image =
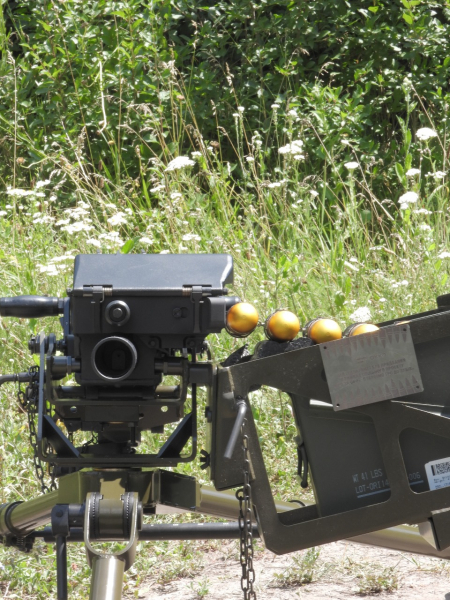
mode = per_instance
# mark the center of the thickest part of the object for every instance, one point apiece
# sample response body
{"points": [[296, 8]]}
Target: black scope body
{"points": [[31, 307], [125, 312]]}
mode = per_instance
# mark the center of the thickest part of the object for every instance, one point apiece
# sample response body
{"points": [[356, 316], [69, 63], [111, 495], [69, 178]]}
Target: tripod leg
{"points": [[61, 567], [107, 578]]}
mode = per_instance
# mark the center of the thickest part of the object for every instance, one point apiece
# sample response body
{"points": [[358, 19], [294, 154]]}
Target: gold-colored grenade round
{"points": [[323, 330], [359, 328], [282, 326], [242, 318]]}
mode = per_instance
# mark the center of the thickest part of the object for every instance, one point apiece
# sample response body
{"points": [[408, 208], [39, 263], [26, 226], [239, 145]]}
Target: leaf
{"points": [[400, 171], [408, 18], [129, 245], [45, 25], [406, 4], [374, 9]]}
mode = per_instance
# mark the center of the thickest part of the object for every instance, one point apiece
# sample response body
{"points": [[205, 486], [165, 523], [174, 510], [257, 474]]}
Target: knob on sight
{"points": [[117, 312]]}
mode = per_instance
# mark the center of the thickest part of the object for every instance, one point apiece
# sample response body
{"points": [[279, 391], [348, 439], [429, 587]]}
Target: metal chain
{"points": [[244, 495], [28, 400]]}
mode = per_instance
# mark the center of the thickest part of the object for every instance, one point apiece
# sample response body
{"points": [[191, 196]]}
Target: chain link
{"points": [[244, 495], [28, 400]]}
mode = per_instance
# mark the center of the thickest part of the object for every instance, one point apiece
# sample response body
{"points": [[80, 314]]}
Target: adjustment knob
{"points": [[117, 313]]}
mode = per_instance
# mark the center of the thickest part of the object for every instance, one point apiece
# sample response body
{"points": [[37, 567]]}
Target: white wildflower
{"points": [[176, 195], [351, 166], [77, 227], [275, 184], [361, 315], [313, 193], [275, 106], [42, 218], [180, 162], [94, 242], [191, 236], [196, 154], [146, 240], [422, 211], [292, 113], [444, 255], [425, 133], [40, 184], [408, 198], [241, 109], [157, 188], [285, 149], [439, 175], [424, 227], [249, 159], [49, 269], [294, 147], [382, 300], [165, 252], [19, 193], [351, 266], [119, 218], [412, 172], [345, 142], [113, 236], [299, 156], [53, 198], [3, 213]]}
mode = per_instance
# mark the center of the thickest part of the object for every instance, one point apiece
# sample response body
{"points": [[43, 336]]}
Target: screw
{"points": [[177, 313]]}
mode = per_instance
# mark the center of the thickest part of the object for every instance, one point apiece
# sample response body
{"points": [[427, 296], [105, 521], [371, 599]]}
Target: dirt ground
{"points": [[339, 571]]}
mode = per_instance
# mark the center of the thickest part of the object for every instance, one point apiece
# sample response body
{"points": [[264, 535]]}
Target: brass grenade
{"points": [[242, 318], [323, 330], [359, 328], [282, 326]]}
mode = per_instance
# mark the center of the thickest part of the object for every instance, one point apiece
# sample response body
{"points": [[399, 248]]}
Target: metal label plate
{"points": [[371, 367]]}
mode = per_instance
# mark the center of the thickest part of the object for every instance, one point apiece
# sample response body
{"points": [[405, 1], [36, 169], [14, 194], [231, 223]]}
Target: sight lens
{"points": [[114, 358]]}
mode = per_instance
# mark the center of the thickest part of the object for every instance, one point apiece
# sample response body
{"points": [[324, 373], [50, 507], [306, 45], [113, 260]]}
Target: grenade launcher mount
{"points": [[372, 413]]}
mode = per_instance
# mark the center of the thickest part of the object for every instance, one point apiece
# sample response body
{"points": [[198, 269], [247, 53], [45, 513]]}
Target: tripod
{"points": [[108, 505]]}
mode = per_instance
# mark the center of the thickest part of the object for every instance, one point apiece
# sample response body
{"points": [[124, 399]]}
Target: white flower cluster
{"points": [[425, 133], [180, 162], [412, 172], [407, 199], [294, 148], [361, 315], [120, 218], [56, 265], [351, 166], [191, 237]]}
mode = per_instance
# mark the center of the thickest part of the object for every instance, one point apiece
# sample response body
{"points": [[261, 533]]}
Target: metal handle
{"points": [[29, 307], [242, 411]]}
